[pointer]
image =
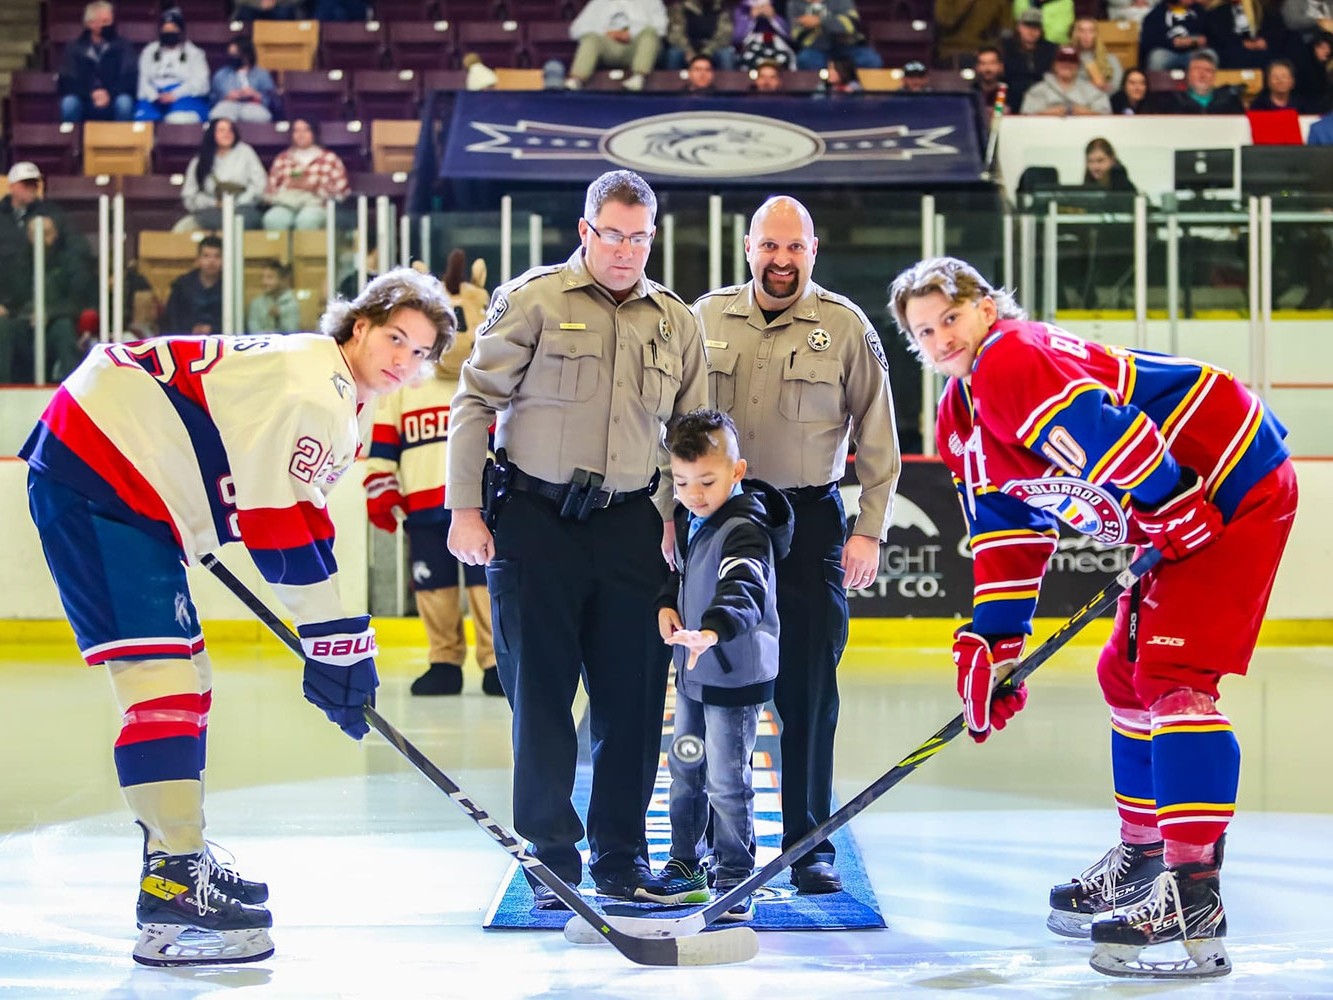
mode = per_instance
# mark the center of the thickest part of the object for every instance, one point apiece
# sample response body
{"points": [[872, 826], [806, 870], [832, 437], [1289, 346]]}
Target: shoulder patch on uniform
{"points": [[724, 290], [877, 348], [499, 306]]}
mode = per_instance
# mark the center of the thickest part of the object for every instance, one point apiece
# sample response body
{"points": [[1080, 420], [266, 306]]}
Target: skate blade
{"points": [[179, 944], [1205, 958], [1070, 925]]}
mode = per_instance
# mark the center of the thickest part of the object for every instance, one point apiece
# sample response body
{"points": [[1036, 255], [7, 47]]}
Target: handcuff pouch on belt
{"points": [[496, 483]]}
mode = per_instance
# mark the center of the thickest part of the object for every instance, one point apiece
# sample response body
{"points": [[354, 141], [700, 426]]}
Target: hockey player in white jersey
{"points": [[153, 454]]}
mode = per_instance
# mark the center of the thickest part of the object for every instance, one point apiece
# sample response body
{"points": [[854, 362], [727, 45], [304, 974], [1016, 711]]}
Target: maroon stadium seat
{"points": [[549, 40], [175, 144], [443, 79], [385, 93], [152, 201], [350, 140], [498, 43], [421, 44], [900, 42], [54, 148], [389, 11], [315, 95], [34, 96], [354, 45]]}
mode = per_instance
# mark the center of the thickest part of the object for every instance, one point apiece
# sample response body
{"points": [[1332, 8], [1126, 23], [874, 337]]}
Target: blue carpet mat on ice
{"points": [[778, 906]]}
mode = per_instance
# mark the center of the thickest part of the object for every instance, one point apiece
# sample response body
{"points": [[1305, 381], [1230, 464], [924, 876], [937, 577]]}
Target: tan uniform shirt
{"points": [[576, 380], [800, 388]]}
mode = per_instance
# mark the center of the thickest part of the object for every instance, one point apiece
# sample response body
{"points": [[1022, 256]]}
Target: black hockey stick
{"points": [[657, 928], [721, 947]]}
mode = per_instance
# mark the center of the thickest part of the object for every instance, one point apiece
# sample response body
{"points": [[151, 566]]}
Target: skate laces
{"points": [[225, 870], [201, 867], [1162, 905], [1102, 876]]}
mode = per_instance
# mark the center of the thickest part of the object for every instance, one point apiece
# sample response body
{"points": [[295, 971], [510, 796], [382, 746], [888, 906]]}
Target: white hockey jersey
{"points": [[215, 439]]}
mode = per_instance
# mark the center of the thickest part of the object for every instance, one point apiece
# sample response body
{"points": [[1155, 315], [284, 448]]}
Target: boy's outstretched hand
{"points": [[697, 642]]}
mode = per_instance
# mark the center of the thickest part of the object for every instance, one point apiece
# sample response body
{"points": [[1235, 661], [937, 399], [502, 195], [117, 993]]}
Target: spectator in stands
{"points": [[1133, 11], [1132, 98], [1096, 65], [700, 79], [1057, 17], [339, 10], [1201, 96], [617, 33], [1247, 33], [1321, 132], [243, 91], [350, 287], [841, 79], [195, 302], [762, 36], [99, 73], [767, 78], [699, 28], [173, 75], [225, 165], [1027, 56], [1308, 16], [965, 26], [17, 208], [827, 29], [916, 78], [989, 78], [1312, 72], [274, 309], [1102, 170], [303, 179], [70, 288], [1172, 32], [267, 10], [1279, 89], [1062, 92]]}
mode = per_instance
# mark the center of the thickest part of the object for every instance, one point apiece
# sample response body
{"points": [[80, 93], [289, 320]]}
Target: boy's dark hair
{"points": [[209, 243], [702, 432]]}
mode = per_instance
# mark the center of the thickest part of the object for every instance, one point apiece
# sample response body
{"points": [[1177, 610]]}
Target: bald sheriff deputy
{"points": [[801, 371], [580, 365]]}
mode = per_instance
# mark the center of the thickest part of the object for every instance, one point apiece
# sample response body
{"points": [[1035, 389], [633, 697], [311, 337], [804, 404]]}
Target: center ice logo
{"points": [[1085, 508]]}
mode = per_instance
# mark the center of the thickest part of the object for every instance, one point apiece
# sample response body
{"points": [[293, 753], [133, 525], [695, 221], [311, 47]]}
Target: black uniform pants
{"points": [[812, 606], [576, 599]]}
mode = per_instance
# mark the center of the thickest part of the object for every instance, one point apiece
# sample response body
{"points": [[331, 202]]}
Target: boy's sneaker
{"points": [[680, 882], [742, 912], [188, 920]]}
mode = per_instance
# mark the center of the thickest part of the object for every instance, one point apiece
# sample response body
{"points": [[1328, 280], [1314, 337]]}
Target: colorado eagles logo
{"points": [[1084, 507], [341, 384], [182, 610], [720, 144]]}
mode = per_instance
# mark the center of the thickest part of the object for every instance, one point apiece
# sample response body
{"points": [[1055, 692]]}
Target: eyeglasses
{"points": [[611, 238]]}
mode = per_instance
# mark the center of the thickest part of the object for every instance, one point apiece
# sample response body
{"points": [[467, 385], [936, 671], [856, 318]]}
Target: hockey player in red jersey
{"points": [[153, 454], [1039, 426]]}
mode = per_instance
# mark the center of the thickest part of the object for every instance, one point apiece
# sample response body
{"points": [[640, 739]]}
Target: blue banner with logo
{"points": [[526, 136]]}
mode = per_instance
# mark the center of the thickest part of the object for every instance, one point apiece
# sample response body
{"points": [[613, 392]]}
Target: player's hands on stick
{"points": [[696, 641], [978, 659], [1184, 523], [340, 675]]}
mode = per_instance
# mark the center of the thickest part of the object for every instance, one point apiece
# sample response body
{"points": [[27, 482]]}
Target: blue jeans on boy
{"points": [[721, 781]]}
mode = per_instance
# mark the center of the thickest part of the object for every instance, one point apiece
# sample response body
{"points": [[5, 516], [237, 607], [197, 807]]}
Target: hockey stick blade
{"points": [[577, 932], [737, 944]]}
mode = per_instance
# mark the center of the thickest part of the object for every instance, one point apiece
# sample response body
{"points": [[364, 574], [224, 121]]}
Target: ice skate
{"points": [[1185, 905], [186, 919], [1122, 878], [223, 873]]}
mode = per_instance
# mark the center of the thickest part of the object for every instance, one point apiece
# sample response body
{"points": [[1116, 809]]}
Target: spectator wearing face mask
{"points": [[173, 75], [243, 91], [99, 72]]}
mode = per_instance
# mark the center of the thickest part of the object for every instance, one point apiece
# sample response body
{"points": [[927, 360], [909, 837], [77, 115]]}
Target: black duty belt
{"points": [[806, 494], [558, 492]]}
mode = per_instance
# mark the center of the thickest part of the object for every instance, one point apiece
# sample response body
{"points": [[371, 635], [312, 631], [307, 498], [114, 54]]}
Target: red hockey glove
{"points": [[1184, 523], [977, 661], [382, 496]]}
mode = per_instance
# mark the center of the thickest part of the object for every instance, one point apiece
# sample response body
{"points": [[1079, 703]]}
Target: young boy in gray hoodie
{"points": [[719, 611]]}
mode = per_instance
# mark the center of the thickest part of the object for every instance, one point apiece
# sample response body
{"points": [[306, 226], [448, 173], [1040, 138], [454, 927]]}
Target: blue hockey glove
{"points": [[340, 673]]}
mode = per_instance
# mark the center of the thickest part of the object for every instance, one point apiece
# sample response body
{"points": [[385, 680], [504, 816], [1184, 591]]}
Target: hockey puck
{"points": [[689, 750]]}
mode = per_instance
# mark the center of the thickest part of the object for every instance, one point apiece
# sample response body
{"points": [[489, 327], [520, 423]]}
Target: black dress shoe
{"points": [[622, 884], [441, 678], [544, 898], [490, 682], [816, 878]]}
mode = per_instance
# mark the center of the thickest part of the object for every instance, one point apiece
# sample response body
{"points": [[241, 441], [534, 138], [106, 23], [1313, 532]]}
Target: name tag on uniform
{"points": [[721, 345], [573, 326]]}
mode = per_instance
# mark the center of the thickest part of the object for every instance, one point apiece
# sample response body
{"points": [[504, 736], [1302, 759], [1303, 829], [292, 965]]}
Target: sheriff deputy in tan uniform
{"points": [[580, 365], [802, 371]]}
